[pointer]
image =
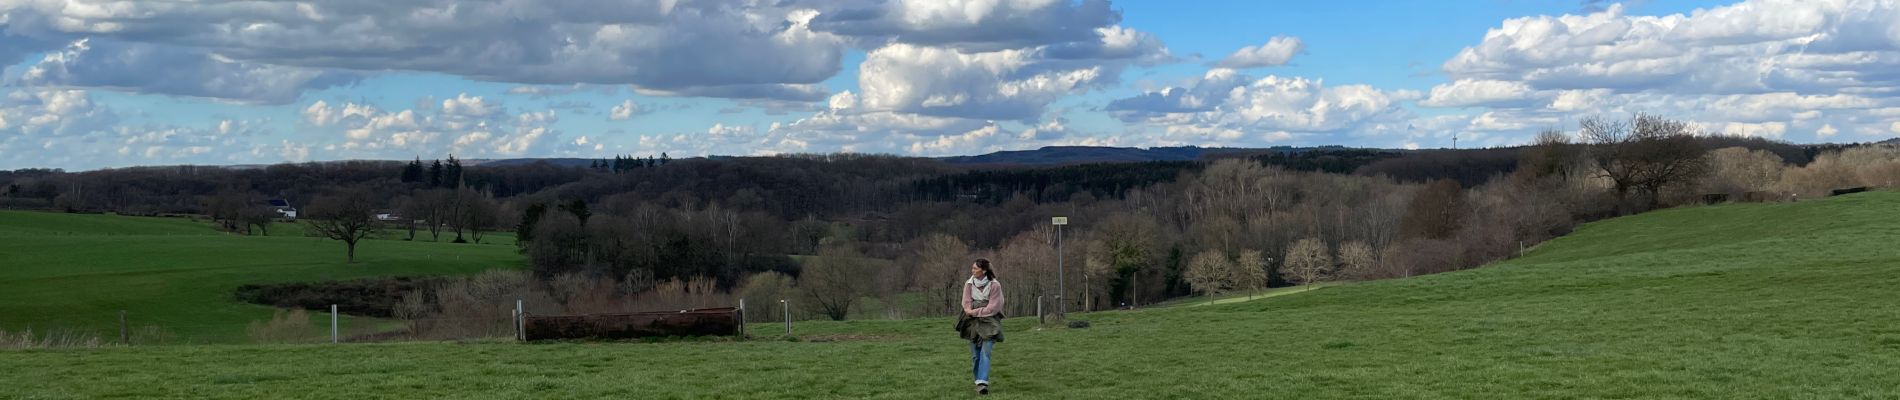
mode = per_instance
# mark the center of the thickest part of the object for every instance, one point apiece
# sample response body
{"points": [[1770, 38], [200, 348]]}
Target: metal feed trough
{"points": [[695, 322]]}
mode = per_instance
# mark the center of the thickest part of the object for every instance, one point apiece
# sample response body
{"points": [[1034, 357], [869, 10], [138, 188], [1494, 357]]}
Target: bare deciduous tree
{"points": [[1250, 271], [1308, 261], [888, 284], [1436, 211], [411, 210], [1644, 155], [1028, 261], [432, 206], [1357, 260], [1737, 170], [1877, 165], [476, 213], [1124, 244], [347, 216], [457, 210], [257, 218], [226, 209], [1210, 273], [1552, 154], [762, 292], [941, 262], [836, 279]]}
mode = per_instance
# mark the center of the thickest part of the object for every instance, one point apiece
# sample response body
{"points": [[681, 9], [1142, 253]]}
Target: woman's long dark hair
{"points": [[985, 265]]}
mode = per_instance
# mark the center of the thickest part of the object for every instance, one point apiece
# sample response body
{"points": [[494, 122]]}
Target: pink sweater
{"points": [[996, 298]]}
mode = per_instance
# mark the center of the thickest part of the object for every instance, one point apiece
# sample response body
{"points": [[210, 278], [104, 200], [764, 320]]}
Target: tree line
{"points": [[623, 163], [838, 230]]}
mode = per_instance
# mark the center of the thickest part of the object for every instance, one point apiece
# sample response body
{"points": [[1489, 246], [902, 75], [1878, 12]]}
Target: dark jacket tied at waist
{"points": [[981, 328]]}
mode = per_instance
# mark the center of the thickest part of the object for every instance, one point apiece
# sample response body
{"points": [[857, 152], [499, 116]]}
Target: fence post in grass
{"points": [[741, 319], [788, 316], [333, 338], [125, 335], [1039, 309], [521, 321]]}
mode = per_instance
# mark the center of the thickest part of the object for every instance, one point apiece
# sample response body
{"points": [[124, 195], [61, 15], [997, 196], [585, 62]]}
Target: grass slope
{"points": [[1738, 301], [75, 272]]}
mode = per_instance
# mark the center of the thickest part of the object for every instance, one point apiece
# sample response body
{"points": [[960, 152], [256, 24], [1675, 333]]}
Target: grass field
{"points": [[1780, 301], [75, 272]]}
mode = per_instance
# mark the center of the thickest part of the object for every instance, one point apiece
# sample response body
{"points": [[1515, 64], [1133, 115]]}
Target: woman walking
{"points": [[982, 320]]}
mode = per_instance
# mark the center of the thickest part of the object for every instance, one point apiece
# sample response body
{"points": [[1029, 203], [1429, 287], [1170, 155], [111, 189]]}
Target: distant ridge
{"points": [[1046, 156], [1061, 155], [558, 162], [1051, 155]]}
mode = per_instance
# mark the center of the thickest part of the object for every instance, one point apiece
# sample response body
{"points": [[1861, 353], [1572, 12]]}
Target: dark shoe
{"points": [[983, 389]]}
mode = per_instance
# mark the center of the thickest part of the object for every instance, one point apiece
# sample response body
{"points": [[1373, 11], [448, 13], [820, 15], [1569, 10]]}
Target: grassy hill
{"points": [[1734, 301], [75, 272]]}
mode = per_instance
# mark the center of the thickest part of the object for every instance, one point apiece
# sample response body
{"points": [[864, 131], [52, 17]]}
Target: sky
{"points": [[91, 84]]}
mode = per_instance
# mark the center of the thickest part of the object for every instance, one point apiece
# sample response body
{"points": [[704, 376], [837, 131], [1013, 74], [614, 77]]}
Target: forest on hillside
{"points": [[834, 229]]}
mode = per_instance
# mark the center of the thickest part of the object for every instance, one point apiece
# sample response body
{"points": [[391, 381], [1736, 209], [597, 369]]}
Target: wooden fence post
{"points": [[125, 335], [333, 336], [521, 321]]}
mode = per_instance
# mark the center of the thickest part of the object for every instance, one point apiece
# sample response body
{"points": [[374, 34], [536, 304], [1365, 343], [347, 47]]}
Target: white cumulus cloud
{"points": [[1473, 92], [625, 111], [1231, 106], [1277, 51]]}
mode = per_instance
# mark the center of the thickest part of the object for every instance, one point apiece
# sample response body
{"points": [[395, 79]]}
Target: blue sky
{"points": [[143, 83]]}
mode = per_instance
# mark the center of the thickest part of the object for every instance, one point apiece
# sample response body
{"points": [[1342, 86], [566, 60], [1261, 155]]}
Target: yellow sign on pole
{"points": [[1059, 220]]}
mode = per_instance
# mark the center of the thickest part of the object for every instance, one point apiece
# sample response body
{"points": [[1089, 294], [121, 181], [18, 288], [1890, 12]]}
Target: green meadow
{"points": [[1772, 301], [75, 272]]}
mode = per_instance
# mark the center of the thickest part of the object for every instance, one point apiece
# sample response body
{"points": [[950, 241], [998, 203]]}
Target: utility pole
{"points": [[1062, 310]]}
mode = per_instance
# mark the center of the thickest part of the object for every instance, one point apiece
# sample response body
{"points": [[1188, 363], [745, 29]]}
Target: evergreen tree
{"points": [[452, 174], [435, 174], [525, 232], [413, 172], [664, 158]]}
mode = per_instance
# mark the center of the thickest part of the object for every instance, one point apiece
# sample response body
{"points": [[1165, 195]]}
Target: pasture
{"points": [[75, 272], [1733, 301]]}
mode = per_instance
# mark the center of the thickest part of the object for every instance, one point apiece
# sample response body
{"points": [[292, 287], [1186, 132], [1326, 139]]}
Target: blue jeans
{"points": [[980, 360]]}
